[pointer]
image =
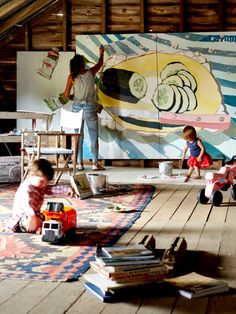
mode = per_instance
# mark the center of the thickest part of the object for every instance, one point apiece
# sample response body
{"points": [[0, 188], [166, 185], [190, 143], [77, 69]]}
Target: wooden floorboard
{"points": [[210, 233]]}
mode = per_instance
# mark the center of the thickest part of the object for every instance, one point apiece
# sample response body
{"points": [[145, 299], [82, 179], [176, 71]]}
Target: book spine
{"points": [[109, 270], [141, 278], [115, 262], [138, 272]]}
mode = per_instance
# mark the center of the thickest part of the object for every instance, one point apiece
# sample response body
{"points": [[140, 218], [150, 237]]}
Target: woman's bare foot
{"points": [[197, 177], [96, 166]]}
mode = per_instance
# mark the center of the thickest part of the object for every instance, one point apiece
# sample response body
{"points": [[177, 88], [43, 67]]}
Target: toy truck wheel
{"points": [[202, 199], [216, 198], [71, 233], [233, 192]]}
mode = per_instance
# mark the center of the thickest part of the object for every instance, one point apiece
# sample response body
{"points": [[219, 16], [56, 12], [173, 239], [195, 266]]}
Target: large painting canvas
{"points": [[33, 88], [152, 85]]}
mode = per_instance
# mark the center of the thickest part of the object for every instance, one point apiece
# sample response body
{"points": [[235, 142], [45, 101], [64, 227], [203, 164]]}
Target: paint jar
{"points": [[165, 168], [98, 182]]}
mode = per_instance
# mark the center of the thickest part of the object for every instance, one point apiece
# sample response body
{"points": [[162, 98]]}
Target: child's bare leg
{"points": [[197, 171], [34, 224], [39, 230], [190, 171]]}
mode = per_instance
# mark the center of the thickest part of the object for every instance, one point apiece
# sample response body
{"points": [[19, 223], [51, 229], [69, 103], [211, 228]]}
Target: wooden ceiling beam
{"points": [[25, 15], [15, 31]]}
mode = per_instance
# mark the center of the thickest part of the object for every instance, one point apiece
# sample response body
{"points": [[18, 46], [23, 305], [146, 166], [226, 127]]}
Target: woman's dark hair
{"points": [[76, 64]]}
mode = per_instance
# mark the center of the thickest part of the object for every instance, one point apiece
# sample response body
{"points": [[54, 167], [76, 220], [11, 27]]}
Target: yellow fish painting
{"points": [[137, 91]]}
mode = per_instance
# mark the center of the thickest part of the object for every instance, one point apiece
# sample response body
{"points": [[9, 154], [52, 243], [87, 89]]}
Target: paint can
{"points": [[98, 182], [165, 168]]}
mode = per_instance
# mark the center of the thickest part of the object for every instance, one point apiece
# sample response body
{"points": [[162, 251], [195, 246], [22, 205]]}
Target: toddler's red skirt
{"points": [[205, 163]]}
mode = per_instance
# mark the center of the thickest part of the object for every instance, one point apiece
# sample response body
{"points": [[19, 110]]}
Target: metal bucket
{"points": [[98, 182], [165, 168]]}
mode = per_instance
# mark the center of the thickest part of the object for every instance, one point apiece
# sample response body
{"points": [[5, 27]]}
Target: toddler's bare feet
{"points": [[187, 178]]}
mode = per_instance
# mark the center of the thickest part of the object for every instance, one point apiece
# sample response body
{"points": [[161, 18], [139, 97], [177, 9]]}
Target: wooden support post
{"points": [[28, 37], [104, 17], [221, 14], [65, 28], [142, 17], [182, 13]]}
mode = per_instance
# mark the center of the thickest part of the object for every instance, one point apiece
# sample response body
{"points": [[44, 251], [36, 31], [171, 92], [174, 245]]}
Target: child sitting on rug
{"points": [[198, 158], [26, 215]]}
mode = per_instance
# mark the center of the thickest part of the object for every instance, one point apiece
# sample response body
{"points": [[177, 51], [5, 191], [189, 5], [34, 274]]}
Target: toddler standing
{"points": [[198, 158]]}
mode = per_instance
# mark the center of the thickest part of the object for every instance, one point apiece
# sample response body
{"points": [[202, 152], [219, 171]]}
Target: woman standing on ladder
{"points": [[84, 97]]}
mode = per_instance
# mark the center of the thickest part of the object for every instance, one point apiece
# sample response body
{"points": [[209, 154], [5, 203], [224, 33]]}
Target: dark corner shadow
{"points": [[202, 262], [232, 291]]}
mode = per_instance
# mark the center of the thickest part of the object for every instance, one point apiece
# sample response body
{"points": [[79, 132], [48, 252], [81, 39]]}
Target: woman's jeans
{"points": [[91, 118]]}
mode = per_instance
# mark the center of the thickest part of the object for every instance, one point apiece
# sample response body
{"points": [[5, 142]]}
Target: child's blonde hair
{"points": [[42, 168], [189, 133]]}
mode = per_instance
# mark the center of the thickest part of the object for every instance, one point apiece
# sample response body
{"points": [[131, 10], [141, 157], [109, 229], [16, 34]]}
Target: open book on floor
{"points": [[81, 185], [194, 285]]}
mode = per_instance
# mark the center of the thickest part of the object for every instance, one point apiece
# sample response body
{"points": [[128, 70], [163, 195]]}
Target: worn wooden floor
{"points": [[210, 233]]}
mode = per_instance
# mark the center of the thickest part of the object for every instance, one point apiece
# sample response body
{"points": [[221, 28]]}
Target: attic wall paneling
{"points": [[86, 18], [48, 33], [230, 15], [8, 99], [163, 16], [202, 15], [8, 92], [123, 17], [8, 71], [17, 44]]}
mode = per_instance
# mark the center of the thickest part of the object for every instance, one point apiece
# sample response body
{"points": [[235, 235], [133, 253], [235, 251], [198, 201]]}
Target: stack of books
{"points": [[119, 268]]}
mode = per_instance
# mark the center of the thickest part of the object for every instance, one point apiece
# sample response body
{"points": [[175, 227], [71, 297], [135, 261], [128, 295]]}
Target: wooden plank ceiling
{"points": [[15, 13]]}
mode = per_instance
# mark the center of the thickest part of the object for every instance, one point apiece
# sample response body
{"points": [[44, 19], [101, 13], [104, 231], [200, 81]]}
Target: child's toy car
{"points": [[216, 182], [60, 221]]}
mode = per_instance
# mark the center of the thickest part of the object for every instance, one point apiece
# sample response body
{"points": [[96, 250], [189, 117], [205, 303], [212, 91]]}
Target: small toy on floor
{"points": [[222, 180], [60, 222]]}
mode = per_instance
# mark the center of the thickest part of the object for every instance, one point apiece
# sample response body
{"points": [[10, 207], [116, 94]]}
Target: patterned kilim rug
{"points": [[102, 219]]}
